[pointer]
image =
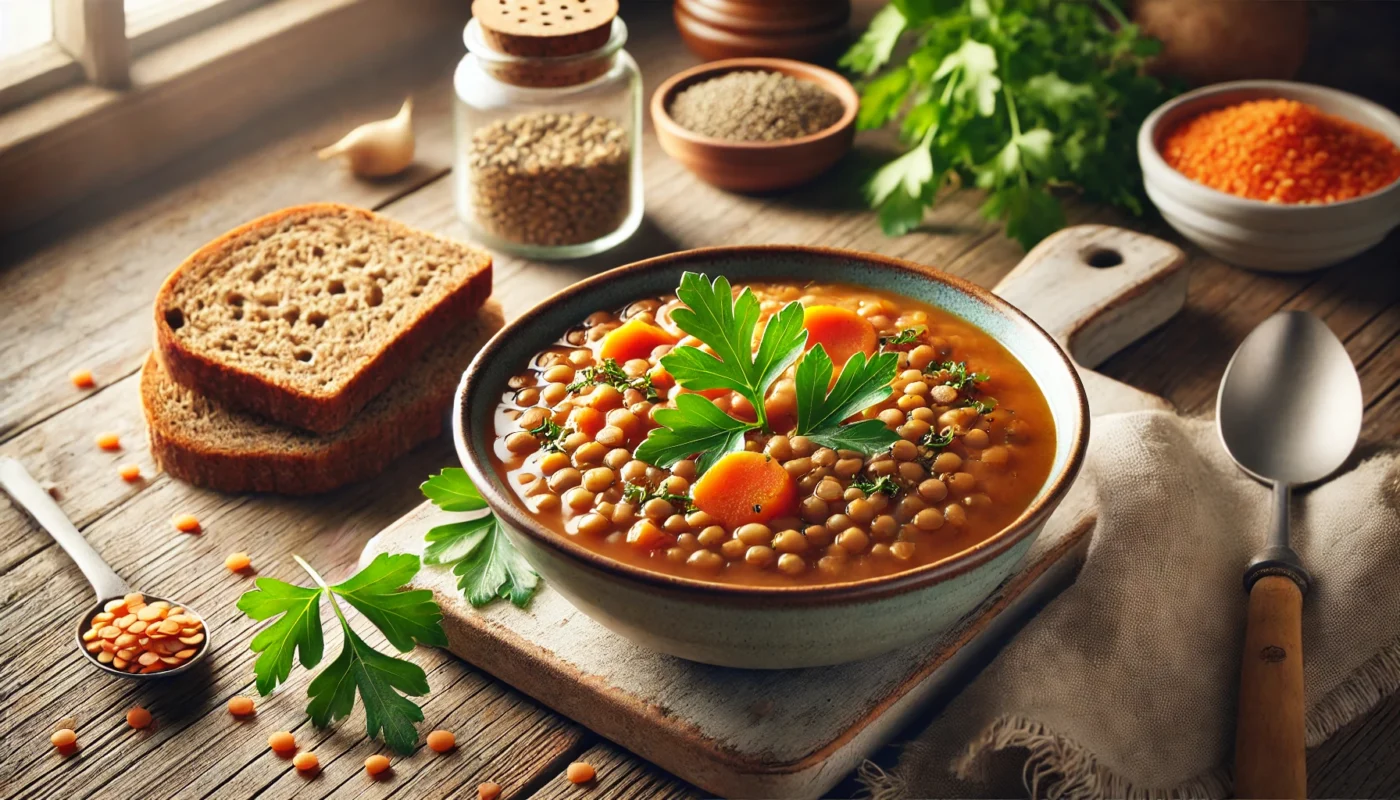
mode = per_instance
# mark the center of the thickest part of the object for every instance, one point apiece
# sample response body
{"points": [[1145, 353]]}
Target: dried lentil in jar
{"points": [[548, 128]]}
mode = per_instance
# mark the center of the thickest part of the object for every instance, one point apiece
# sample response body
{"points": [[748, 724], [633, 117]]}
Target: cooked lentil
{"points": [[754, 105], [549, 179], [1282, 151], [933, 493]]}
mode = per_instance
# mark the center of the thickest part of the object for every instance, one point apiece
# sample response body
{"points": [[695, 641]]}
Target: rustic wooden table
{"points": [[76, 293]]}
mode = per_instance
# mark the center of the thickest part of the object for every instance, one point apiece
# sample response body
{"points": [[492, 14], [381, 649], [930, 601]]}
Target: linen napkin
{"points": [[1125, 685]]}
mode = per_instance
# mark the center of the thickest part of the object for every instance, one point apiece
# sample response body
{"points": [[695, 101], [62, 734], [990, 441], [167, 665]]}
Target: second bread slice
{"points": [[200, 442], [305, 315]]}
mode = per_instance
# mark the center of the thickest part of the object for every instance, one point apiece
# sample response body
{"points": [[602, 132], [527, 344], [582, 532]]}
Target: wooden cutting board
{"points": [[796, 733]]}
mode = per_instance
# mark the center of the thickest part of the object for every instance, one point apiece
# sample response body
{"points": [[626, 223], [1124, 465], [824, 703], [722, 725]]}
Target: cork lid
{"points": [[545, 28]]}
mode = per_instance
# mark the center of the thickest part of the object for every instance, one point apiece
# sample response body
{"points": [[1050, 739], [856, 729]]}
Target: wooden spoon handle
{"points": [[1269, 750]]}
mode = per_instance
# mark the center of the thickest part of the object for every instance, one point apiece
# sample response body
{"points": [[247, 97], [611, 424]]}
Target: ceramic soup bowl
{"points": [[769, 627]]}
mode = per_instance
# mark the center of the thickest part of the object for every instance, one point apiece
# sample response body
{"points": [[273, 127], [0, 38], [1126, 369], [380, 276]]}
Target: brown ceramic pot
{"points": [[756, 166], [809, 30]]}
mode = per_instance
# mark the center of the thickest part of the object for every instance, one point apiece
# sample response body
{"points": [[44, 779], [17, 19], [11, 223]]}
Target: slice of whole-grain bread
{"points": [[304, 315], [199, 441]]}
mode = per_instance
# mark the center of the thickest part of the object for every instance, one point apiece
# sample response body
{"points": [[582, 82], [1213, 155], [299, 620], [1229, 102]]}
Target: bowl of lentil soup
{"points": [[911, 435], [1274, 175]]}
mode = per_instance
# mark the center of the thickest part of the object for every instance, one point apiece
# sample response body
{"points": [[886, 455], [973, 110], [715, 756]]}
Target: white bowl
{"points": [[1252, 233]]}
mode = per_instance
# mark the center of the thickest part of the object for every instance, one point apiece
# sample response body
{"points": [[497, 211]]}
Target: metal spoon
{"points": [[29, 495], [1289, 413]]}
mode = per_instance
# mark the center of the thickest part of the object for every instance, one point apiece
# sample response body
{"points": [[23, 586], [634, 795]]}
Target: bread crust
{"points": [[320, 465], [244, 390]]}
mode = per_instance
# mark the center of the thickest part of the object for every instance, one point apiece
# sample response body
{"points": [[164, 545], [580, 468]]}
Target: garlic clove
{"points": [[378, 149]]}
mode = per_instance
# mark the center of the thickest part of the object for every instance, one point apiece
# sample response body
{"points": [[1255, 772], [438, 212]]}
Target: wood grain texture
{"points": [[1269, 750], [76, 293]]}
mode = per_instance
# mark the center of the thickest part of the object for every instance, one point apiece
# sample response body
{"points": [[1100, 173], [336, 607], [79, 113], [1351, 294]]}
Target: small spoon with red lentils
{"points": [[126, 633]]}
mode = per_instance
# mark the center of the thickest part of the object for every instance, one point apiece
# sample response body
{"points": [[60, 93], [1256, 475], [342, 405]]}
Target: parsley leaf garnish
{"points": [[550, 435], [957, 375], [883, 485], [694, 426], [486, 564], [610, 373], [726, 325], [862, 384], [406, 618]]}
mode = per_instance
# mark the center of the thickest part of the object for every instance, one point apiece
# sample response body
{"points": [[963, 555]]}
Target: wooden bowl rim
{"points": [[823, 77]]}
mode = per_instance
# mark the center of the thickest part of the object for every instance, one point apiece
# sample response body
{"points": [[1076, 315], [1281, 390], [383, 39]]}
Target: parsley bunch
{"points": [[406, 618], [1014, 96]]}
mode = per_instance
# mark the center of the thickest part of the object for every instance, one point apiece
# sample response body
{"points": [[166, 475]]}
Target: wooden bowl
{"points": [[756, 166], [810, 30]]}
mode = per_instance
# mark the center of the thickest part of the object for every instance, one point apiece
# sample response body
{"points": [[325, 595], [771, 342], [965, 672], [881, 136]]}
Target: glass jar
{"points": [[548, 132]]}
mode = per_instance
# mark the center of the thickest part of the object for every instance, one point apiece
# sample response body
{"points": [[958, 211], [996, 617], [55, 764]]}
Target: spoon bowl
{"points": [[106, 584], [1290, 405]]}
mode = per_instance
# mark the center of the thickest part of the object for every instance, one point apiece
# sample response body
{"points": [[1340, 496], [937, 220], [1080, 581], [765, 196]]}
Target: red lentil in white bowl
{"points": [[845, 499]]}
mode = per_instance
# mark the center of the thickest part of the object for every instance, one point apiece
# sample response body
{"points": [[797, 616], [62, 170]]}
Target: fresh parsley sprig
{"points": [[694, 426], [1014, 96], [383, 682], [862, 384], [486, 564], [726, 325], [610, 373]]}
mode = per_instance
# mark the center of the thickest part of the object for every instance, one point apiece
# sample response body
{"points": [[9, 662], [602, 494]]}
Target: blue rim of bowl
{"points": [[1177, 182], [484, 476]]}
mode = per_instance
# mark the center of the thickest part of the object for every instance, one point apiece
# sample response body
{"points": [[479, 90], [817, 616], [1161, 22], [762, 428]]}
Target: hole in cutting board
{"points": [[1102, 258]]}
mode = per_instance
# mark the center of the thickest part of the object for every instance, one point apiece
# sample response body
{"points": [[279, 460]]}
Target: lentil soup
{"points": [[907, 436]]}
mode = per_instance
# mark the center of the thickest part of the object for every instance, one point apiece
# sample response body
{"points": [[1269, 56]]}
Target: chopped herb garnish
{"points": [[958, 376], [937, 440], [638, 494], [881, 485], [550, 435], [485, 562], [985, 405], [862, 384], [904, 337], [610, 373]]}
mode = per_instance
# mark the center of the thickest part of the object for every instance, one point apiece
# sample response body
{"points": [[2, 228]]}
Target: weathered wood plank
{"points": [[620, 776]]}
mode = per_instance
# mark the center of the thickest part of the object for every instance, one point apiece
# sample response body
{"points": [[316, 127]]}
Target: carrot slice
{"points": [[587, 420], [634, 339], [745, 487], [843, 333]]}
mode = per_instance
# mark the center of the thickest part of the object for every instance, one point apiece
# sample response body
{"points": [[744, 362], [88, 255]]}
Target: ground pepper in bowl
{"points": [[1282, 151], [755, 106]]}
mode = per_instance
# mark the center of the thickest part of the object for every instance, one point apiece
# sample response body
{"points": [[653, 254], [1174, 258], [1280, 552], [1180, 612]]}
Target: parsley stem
{"points": [[316, 576], [1114, 11]]}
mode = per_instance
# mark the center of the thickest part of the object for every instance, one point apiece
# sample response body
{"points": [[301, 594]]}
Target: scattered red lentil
{"points": [[376, 764], [240, 706], [185, 523], [237, 562], [306, 762], [138, 717], [282, 742], [130, 472], [488, 791], [63, 738], [1282, 151], [109, 441], [580, 772], [442, 741], [82, 379]]}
